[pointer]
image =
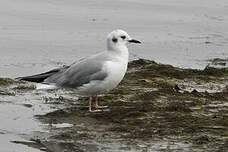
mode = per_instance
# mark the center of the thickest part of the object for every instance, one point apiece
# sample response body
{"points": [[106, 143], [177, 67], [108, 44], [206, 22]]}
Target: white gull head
{"points": [[118, 39]]}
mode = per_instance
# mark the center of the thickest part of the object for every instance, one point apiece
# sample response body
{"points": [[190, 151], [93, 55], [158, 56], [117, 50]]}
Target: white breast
{"points": [[115, 69], [116, 72]]}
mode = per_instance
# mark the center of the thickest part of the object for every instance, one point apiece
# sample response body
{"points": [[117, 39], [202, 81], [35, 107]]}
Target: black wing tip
{"points": [[19, 78], [30, 79], [39, 78]]}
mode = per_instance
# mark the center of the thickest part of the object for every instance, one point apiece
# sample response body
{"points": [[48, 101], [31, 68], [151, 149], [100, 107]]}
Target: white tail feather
{"points": [[40, 86]]}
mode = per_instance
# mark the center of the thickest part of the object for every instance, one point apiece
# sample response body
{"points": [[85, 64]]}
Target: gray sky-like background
{"points": [[37, 35]]}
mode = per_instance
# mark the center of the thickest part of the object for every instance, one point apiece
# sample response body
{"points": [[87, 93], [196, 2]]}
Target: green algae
{"points": [[5, 81], [149, 105]]}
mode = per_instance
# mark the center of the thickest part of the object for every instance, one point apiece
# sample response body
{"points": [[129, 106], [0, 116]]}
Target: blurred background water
{"points": [[37, 35]]}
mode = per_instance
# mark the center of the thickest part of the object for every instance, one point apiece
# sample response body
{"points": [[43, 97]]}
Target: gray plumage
{"points": [[39, 78], [75, 75], [80, 73]]}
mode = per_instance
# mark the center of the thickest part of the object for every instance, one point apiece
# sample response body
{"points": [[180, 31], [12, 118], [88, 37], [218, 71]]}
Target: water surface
{"points": [[39, 35]]}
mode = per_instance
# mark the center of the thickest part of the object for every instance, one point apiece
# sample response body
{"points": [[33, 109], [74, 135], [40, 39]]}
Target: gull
{"points": [[92, 76]]}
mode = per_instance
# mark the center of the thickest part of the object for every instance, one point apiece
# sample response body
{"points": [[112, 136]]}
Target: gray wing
{"points": [[39, 78], [80, 73]]}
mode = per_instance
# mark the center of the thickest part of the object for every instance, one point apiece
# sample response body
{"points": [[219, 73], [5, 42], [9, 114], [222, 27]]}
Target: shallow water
{"points": [[17, 119], [39, 35]]}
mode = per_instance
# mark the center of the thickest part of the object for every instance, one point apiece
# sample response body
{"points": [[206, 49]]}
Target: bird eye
{"points": [[114, 40], [123, 37]]}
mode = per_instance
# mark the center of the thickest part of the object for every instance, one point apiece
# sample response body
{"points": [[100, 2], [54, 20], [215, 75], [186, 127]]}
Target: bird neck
{"points": [[120, 51]]}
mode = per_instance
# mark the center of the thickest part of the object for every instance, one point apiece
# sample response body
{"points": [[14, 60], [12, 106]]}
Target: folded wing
{"points": [[79, 74], [73, 76], [39, 78]]}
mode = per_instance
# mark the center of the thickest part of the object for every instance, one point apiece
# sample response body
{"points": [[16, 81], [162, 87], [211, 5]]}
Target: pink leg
{"points": [[97, 104], [92, 104]]}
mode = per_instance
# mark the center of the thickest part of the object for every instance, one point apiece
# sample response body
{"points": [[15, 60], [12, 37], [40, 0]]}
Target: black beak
{"points": [[134, 41]]}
